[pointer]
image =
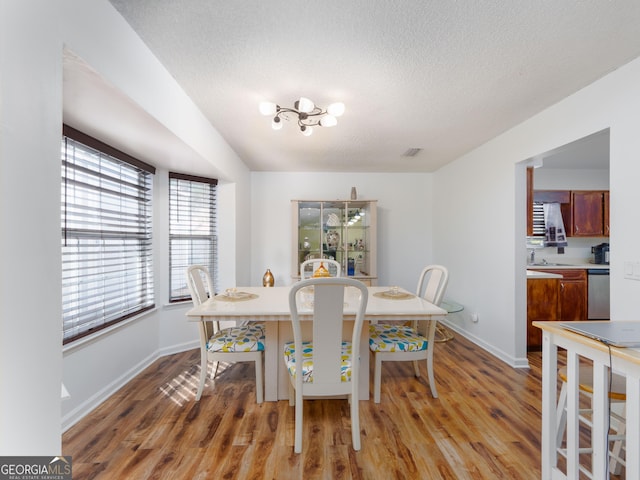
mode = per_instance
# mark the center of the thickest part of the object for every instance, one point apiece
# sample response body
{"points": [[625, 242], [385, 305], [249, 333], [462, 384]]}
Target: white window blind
{"points": [[107, 273], [539, 227], [192, 230]]}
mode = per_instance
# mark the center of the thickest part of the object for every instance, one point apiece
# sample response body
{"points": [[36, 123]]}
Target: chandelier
{"points": [[308, 114]]}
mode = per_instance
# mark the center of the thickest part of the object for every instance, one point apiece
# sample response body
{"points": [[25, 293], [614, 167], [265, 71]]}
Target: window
{"points": [[192, 230], [107, 273]]}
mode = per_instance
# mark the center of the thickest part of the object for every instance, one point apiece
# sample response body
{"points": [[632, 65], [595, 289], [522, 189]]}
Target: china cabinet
{"points": [[341, 230]]}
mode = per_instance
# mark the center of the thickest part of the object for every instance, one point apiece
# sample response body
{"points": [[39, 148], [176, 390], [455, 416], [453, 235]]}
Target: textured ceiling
{"points": [[443, 75]]}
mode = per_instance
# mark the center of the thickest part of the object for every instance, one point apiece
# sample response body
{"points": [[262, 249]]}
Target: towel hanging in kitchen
{"points": [[555, 235]]}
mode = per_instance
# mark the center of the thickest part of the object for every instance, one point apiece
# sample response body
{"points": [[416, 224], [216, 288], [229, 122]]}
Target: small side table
{"points": [[442, 334]]}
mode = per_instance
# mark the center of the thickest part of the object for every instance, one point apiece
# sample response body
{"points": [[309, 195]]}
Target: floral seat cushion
{"points": [[247, 338], [395, 338], [307, 361]]}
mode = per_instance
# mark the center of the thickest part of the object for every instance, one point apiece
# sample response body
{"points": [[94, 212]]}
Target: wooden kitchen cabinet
{"points": [[588, 214], [606, 213], [572, 294], [585, 212], [563, 197], [549, 299], [542, 304]]}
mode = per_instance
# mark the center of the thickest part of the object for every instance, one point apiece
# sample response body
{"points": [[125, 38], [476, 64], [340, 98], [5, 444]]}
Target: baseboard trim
{"points": [[514, 362]]}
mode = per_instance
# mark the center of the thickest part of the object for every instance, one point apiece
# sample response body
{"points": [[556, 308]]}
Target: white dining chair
{"points": [[308, 267], [321, 362], [241, 343], [400, 343]]}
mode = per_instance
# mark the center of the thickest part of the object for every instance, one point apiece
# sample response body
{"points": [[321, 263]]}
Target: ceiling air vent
{"points": [[412, 152]]}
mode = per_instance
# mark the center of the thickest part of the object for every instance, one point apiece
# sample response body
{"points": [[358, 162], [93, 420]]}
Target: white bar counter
{"points": [[624, 361]]}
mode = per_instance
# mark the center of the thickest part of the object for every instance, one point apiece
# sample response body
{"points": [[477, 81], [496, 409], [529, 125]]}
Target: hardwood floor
{"points": [[484, 425]]}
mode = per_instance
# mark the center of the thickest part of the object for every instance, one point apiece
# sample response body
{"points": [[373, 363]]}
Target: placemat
{"points": [[390, 294], [236, 297]]}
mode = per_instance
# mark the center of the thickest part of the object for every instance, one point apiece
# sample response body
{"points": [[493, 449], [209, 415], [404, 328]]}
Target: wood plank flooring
{"points": [[484, 425]]}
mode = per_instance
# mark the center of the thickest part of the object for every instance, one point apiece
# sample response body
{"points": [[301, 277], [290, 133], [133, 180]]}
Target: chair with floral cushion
{"points": [[400, 343], [324, 363], [241, 343]]}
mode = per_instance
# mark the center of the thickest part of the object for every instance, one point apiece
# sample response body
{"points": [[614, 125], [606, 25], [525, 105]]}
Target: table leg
{"points": [[549, 392], [600, 420], [573, 405], [633, 420], [271, 357], [363, 391]]}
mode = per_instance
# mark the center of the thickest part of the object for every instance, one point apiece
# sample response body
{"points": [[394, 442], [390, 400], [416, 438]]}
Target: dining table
{"points": [[270, 305]]}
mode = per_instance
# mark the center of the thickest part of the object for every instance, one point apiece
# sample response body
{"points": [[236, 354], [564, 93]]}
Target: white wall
{"points": [[482, 241], [33, 35], [560, 179], [30, 326], [405, 210]]}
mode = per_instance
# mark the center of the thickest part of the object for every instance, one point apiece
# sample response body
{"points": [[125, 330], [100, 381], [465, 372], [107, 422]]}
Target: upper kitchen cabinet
{"points": [[590, 214], [341, 230], [585, 212], [535, 214]]}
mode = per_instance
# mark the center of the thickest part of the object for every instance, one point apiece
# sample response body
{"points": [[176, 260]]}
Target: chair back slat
{"points": [[433, 283], [201, 288], [199, 283], [327, 332]]}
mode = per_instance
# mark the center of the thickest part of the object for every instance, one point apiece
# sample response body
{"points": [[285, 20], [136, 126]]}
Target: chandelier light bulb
{"points": [[305, 105], [276, 124], [336, 109], [328, 121], [306, 131], [268, 108]]}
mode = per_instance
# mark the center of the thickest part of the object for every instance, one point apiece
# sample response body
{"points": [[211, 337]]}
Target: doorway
{"points": [[581, 165]]}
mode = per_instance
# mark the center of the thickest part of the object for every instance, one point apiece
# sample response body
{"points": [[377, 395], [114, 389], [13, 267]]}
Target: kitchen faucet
{"points": [[532, 256]]}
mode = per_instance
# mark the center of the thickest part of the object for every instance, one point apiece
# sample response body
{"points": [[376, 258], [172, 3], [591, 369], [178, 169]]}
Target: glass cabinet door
{"points": [[339, 230], [358, 239], [333, 215], [309, 231]]}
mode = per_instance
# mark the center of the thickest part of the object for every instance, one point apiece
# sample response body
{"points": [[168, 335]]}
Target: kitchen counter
{"points": [[567, 265], [537, 274]]}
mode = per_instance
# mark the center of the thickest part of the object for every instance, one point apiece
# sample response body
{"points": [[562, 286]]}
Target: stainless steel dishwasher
{"points": [[598, 300]]}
